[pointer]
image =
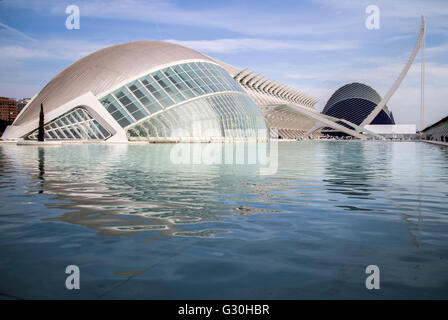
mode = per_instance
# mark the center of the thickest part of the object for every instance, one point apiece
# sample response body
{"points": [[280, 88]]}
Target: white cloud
{"points": [[51, 49], [399, 38], [398, 15], [15, 31], [253, 44], [396, 8], [247, 20], [442, 49], [15, 52], [23, 73]]}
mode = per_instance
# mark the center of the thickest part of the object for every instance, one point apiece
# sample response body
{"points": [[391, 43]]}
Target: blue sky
{"points": [[315, 46]]}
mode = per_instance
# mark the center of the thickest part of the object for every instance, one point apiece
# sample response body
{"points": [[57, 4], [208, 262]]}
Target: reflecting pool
{"points": [[140, 226]]}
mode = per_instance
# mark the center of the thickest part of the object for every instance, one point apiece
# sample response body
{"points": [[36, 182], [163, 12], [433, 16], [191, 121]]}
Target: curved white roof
{"points": [[103, 70]]}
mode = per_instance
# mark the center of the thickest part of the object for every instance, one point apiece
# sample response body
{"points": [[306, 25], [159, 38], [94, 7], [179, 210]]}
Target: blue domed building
{"points": [[354, 102]]}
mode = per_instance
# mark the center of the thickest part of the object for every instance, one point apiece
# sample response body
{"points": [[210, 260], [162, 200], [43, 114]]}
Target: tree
{"points": [[41, 132]]}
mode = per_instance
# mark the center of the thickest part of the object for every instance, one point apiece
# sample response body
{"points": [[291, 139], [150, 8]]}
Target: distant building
{"points": [[8, 109], [354, 102], [22, 103], [437, 131], [394, 131]]}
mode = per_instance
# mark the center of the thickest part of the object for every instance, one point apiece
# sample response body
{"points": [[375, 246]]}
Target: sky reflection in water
{"points": [[140, 226]]}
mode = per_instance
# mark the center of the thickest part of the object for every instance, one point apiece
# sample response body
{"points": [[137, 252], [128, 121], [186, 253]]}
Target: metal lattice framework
{"points": [[354, 102], [171, 102], [272, 97], [77, 124], [289, 111]]}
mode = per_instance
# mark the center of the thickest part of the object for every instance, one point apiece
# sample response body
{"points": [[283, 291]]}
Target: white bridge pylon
{"points": [[400, 78]]}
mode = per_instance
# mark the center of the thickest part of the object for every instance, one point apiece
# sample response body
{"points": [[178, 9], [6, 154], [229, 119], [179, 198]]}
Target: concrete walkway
{"points": [[440, 143]]}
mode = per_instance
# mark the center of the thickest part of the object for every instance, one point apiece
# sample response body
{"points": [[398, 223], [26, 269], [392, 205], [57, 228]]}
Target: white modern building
{"points": [[143, 90]]}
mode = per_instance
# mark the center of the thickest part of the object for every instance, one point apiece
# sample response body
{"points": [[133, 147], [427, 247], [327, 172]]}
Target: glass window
{"points": [[144, 97], [211, 75], [116, 111], [150, 130], [159, 127], [197, 78], [103, 131], [188, 80], [65, 121], [163, 88], [82, 131], [204, 77], [84, 115], [225, 78], [129, 102], [69, 126], [157, 91], [168, 87], [76, 116], [178, 83], [229, 115], [66, 133], [74, 133], [52, 135], [60, 133], [71, 119]]}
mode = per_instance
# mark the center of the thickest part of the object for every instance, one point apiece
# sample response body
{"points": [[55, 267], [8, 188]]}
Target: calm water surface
{"points": [[139, 226]]}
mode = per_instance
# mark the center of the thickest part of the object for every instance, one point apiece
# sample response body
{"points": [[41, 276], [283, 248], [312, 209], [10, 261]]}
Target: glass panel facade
{"points": [[168, 87], [135, 109], [188, 80], [227, 115], [116, 111], [158, 93], [77, 124], [164, 88], [196, 78], [145, 98], [183, 88]]}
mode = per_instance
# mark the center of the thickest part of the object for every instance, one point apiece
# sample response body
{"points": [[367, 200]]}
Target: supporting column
{"points": [[400, 78], [422, 93], [317, 125]]}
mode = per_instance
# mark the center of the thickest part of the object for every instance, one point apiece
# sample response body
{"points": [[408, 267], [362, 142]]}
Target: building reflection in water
{"points": [[353, 175], [130, 189], [359, 177], [41, 160]]}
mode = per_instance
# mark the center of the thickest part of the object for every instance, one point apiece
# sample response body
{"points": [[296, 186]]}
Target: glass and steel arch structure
{"points": [[187, 101], [76, 124]]}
